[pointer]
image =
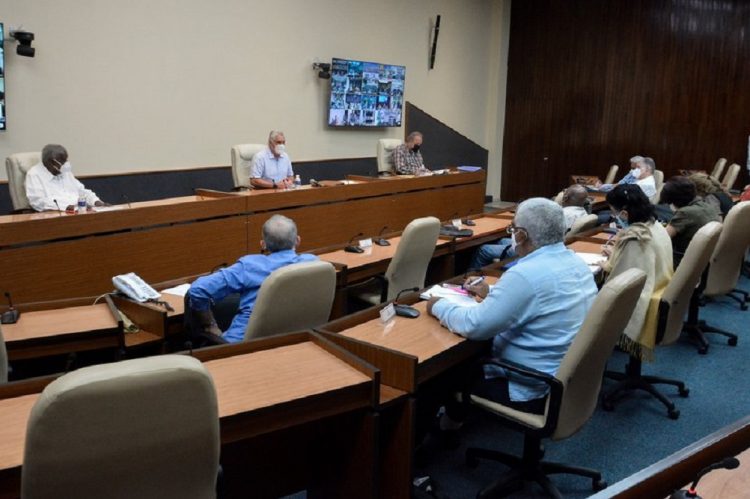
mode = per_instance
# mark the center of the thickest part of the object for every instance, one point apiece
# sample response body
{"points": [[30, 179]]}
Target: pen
{"points": [[475, 281]]}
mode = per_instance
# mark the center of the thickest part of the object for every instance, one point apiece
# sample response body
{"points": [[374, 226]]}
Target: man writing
{"points": [[245, 277], [406, 158], [50, 185], [272, 167], [532, 314]]}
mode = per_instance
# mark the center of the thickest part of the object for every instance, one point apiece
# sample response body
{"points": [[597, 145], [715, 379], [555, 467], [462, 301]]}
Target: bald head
{"points": [[575, 195]]}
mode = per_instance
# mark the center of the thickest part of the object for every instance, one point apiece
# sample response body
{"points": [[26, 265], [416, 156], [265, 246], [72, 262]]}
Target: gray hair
{"points": [[649, 163], [413, 135], [52, 152], [543, 220], [279, 233], [636, 159], [274, 135]]}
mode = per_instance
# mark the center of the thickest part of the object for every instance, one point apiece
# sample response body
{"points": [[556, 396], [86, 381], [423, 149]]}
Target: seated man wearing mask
{"points": [[406, 158], [532, 313], [50, 185], [280, 240], [272, 167], [629, 177]]}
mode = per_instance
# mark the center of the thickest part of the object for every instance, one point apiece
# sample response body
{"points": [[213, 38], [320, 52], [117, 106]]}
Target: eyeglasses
{"points": [[512, 229]]}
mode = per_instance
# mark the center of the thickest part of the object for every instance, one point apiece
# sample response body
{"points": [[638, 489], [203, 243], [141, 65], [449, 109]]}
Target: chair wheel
{"points": [[598, 485], [608, 406], [684, 392], [743, 306], [703, 350], [471, 461], [732, 342], [673, 414]]}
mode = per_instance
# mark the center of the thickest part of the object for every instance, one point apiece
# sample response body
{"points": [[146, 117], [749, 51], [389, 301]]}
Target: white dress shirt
{"points": [[648, 186], [43, 189]]}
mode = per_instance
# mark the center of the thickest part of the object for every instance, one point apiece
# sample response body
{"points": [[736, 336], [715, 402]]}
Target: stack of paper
{"points": [[437, 291], [592, 260]]}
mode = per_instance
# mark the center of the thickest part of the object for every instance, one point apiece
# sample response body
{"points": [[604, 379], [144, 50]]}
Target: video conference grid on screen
{"points": [[2, 78], [365, 94]]}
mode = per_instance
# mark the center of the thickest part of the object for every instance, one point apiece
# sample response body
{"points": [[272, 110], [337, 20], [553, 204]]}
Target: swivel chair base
{"points": [[698, 331], [529, 468], [633, 379]]}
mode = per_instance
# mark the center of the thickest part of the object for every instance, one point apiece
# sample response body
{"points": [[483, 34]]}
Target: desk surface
{"points": [[586, 247], [727, 484], [46, 323]]}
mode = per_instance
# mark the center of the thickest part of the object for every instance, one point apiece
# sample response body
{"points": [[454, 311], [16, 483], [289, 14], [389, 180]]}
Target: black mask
{"points": [[415, 148]]}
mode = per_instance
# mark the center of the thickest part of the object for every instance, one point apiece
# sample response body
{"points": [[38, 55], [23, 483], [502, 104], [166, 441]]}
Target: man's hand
{"points": [[479, 290], [432, 301]]}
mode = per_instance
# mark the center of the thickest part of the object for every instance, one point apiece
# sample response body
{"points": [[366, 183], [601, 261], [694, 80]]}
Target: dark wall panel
{"points": [[592, 83]]}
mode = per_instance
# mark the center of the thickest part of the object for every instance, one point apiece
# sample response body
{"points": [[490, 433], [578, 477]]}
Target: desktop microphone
{"points": [[381, 241], [315, 183], [58, 207], [728, 463], [127, 200], [405, 310], [11, 315], [468, 221], [350, 248]]}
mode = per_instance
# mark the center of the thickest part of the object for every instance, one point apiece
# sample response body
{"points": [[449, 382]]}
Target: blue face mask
{"points": [[622, 223]]}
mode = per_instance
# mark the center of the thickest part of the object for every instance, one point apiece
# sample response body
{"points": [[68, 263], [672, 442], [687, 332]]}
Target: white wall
{"points": [[160, 84]]}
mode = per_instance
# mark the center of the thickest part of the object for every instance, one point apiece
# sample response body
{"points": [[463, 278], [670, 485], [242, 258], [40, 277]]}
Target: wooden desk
{"points": [[584, 246], [271, 423], [77, 255]]}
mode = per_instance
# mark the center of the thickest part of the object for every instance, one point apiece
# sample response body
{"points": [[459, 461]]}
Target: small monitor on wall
{"points": [[2, 77], [365, 94]]}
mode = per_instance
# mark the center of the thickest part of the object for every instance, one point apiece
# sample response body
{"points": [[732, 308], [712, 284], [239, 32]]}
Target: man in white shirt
{"points": [[644, 175], [573, 202], [272, 167], [50, 185]]}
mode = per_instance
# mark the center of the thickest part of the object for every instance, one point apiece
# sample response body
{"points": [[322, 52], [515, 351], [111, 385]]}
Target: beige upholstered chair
{"points": [[146, 428], [242, 161], [731, 176], [611, 174], [719, 168], [729, 255], [559, 197], [385, 149], [574, 391], [581, 225], [408, 266], [17, 165], [658, 180], [3, 359], [292, 298], [672, 310]]}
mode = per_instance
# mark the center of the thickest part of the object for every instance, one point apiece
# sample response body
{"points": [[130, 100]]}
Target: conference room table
{"points": [[52, 255], [278, 435]]}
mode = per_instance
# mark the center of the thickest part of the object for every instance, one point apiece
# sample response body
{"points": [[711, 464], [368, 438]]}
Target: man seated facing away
{"points": [[573, 201], [272, 167], [532, 313], [245, 277], [406, 158], [50, 185]]}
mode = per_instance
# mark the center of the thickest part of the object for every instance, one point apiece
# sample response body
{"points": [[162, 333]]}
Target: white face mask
{"points": [[636, 173], [280, 148]]}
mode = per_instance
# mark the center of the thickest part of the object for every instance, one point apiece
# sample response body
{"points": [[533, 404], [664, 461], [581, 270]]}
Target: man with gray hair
{"points": [[245, 277], [532, 313], [272, 167], [629, 178], [644, 175], [50, 184], [406, 158]]}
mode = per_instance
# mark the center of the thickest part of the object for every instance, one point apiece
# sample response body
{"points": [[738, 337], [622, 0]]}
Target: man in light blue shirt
{"points": [[630, 178], [536, 308], [272, 167], [245, 277]]}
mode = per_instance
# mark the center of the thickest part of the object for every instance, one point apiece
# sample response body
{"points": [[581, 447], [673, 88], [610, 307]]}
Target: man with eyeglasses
{"points": [[532, 313], [50, 185], [272, 167]]}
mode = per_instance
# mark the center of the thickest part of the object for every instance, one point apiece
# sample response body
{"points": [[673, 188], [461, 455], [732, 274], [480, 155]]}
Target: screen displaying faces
{"points": [[2, 78], [365, 94]]}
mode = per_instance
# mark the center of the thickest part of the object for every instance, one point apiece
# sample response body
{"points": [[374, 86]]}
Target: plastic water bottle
{"points": [[297, 182], [81, 202]]}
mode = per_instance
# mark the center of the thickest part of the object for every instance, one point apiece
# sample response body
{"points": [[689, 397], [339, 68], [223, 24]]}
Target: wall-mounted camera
{"points": [[24, 39], [323, 69]]}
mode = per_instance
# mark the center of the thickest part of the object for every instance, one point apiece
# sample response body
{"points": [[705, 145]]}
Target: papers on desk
{"points": [[466, 168], [115, 207], [592, 260], [180, 290], [449, 294]]}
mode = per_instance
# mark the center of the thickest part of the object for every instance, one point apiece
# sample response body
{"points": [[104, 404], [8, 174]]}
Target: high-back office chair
{"points": [[242, 161], [729, 256], [146, 428], [17, 165], [384, 152], [582, 224], [611, 174], [731, 176], [408, 267], [292, 298], [719, 168], [659, 180], [3, 359], [574, 391], [672, 309]]}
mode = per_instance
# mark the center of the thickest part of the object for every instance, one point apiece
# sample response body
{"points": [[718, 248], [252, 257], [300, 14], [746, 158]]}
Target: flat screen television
{"points": [[365, 94], [2, 78]]}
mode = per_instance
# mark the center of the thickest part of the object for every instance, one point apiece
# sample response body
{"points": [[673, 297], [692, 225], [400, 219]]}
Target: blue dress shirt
{"points": [[268, 167], [628, 179], [245, 278], [533, 312]]}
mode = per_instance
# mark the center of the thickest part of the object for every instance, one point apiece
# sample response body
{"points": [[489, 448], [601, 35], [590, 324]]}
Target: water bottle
{"points": [[81, 202], [297, 182]]}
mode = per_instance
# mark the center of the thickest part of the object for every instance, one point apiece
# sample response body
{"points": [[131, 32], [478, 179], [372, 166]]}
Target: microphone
{"points": [[728, 463], [315, 183], [468, 221], [58, 207], [11, 315], [381, 241], [405, 310], [127, 200], [350, 248]]}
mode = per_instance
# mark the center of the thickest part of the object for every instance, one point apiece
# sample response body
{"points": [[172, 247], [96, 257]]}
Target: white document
{"points": [[180, 290], [592, 260], [438, 291]]}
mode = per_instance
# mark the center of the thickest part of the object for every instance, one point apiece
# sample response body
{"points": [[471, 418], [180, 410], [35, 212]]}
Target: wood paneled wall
{"points": [[592, 83]]}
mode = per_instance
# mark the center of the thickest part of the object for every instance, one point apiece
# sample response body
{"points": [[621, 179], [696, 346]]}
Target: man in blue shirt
{"points": [[245, 277], [533, 312], [272, 167]]}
